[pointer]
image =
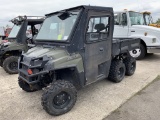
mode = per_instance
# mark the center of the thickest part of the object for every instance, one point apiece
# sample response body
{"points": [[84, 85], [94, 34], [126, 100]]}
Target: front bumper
{"points": [[153, 49], [31, 79], [36, 76]]}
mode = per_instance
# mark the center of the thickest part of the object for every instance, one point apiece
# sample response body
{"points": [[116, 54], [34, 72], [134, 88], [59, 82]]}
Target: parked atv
{"points": [[74, 48], [22, 33]]}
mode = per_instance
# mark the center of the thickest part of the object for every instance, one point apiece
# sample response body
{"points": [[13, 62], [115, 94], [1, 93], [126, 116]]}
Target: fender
{"points": [[78, 77], [149, 40], [75, 65]]}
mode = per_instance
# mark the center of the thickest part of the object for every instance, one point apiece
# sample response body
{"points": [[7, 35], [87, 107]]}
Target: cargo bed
{"points": [[123, 45]]}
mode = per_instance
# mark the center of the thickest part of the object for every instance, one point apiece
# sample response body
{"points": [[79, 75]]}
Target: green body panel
{"points": [[13, 46], [59, 57]]}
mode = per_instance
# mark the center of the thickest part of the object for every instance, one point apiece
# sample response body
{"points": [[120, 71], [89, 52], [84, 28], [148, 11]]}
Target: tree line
{"points": [[158, 21]]}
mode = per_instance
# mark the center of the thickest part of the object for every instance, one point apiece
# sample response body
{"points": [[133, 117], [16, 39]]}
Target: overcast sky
{"points": [[12, 8]]}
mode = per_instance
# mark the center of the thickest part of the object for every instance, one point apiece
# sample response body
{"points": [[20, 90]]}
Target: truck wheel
{"points": [[59, 97], [10, 65], [139, 53], [117, 71], [26, 87], [130, 64]]}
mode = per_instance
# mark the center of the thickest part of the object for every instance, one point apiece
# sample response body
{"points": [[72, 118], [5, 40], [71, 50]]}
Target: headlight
{"points": [[37, 62], [153, 40]]}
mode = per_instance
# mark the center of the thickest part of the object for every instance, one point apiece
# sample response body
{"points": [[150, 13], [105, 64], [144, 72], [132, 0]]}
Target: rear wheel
{"points": [[139, 53], [59, 97], [130, 64], [117, 71], [10, 65]]}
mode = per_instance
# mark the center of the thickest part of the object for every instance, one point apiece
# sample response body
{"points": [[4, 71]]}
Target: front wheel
{"points": [[10, 65], [59, 97], [139, 53], [117, 71]]}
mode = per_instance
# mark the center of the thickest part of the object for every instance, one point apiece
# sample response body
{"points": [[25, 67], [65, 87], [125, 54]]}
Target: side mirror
{"points": [[124, 19]]}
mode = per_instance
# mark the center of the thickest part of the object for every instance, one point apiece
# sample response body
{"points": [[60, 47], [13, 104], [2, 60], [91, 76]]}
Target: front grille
{"points": [[24, 67], [23, 75]]}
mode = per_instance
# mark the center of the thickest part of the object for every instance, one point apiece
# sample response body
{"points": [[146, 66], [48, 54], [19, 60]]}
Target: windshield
{"points": [[148, 19], [136, 18], [58, 26], [14, 31]]}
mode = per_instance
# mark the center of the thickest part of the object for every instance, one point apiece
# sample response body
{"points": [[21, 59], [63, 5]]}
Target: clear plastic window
{"points": [[56, 28], [97, 28], [14, 31]]}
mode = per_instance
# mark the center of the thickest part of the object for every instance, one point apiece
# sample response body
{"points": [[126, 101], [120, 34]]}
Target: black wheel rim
{"points": [[13, 66], [121, 72], [61, 100]]}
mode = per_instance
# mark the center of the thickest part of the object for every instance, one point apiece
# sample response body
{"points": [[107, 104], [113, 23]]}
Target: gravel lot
{"points": [[95, 102]]}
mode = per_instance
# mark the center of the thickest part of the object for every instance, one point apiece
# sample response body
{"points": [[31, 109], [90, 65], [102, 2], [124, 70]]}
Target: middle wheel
{"points": [[117, 71]]}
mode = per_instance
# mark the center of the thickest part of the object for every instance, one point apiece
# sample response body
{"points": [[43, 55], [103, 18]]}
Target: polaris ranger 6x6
{"points": [[22, 33], [74, 48]]}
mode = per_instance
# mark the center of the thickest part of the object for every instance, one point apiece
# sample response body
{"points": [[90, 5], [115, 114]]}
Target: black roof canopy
{"points": [[34, 21], [83, 7]]}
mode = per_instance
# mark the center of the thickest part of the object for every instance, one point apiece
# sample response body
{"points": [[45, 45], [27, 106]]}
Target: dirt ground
{"points": [[94, 102]]}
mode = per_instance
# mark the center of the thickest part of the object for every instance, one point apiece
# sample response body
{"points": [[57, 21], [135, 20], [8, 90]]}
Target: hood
{"points": [[146, 28], [12, 44], [40, 51]]}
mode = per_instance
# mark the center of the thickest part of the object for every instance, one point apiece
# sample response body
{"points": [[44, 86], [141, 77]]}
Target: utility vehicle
{"points": [[22, 33], [75, 48], [131, 24]]}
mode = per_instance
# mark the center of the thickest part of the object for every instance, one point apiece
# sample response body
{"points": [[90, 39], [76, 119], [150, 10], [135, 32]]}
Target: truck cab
{"points": [[131, 24]]}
